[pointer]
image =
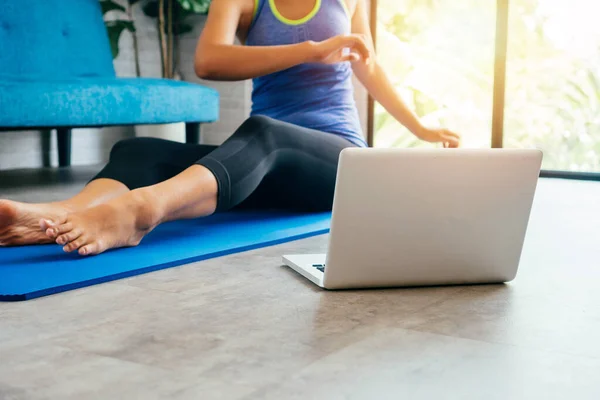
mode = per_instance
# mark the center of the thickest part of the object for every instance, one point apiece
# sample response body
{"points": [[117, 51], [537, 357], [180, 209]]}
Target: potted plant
{"points": [[115, 27], [171, 16]]}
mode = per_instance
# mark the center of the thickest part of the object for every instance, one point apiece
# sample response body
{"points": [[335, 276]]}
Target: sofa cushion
{"points": [[104, 101]]}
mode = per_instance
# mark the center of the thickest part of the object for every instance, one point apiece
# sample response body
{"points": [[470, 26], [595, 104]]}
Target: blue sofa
{"points": [[56, 72]]}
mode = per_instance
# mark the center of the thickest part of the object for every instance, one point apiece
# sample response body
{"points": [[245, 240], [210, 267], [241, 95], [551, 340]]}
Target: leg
{"points": [[133, 163], [63, 136], [253, 163], [273, 164]]}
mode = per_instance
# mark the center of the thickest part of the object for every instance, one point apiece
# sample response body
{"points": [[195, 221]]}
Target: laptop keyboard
{"points": [[320, 267]]}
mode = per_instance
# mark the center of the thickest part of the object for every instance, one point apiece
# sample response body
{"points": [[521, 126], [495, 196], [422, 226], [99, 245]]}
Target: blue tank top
{"points": [[311, 95]]}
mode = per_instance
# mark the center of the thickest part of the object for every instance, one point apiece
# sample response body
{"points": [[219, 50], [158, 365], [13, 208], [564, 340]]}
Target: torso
{"points": [[313, 95], [292, 9]]}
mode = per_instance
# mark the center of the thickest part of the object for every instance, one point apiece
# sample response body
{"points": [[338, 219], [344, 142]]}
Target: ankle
{"points": [[146, 208]]}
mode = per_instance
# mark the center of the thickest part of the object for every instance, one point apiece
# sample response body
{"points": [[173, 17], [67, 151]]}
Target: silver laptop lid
{"points": [[430, 216]]}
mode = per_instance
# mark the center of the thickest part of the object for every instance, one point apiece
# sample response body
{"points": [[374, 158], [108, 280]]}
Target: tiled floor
{"points": [[244, 327]]}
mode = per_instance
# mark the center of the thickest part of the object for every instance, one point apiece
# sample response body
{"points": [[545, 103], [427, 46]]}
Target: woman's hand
{"points": [[341, 48], [448, 138]]}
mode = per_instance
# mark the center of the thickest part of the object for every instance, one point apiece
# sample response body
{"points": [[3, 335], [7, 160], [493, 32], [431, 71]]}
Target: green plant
{"points": [[171, 18], [195, 6], [440, 54], [116, 27]]}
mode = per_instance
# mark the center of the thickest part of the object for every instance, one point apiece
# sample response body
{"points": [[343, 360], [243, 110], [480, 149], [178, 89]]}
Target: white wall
{"points": [[31, 149]]}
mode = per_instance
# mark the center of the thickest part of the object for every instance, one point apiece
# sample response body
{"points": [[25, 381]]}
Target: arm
{"points": [[379, 85], [218, 58]]}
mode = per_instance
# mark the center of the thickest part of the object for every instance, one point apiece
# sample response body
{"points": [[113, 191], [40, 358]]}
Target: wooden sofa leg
{"points": [[192, 132], [63, 136]]}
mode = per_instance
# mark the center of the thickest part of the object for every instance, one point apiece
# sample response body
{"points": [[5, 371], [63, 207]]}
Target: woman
{"points": [[301, 55]]}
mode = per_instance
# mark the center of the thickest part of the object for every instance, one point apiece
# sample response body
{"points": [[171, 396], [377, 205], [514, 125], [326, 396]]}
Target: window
{"points": [[440, 55], [553, 82]]}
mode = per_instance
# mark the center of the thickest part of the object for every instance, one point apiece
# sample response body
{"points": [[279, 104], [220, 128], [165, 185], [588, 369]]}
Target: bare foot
{"points": [[121, 222], [20, 222]]}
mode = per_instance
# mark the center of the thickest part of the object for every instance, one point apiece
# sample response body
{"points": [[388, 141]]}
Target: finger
{"points": [[366, 48], [449, 135], [453, 144], [453, 134], [358, 43], [450, 140], [352, 57]]}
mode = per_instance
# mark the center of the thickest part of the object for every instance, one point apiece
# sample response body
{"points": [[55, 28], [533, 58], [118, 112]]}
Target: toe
{"points": [[46, 224], [68, 237], [90, 249], [75, 244], [55, 231]]}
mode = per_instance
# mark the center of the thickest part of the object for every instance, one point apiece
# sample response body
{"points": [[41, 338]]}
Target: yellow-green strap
{"points": [[300, 21]]}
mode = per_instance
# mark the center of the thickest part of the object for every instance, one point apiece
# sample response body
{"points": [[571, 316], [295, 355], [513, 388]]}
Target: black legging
{"points": [[266, 163]]}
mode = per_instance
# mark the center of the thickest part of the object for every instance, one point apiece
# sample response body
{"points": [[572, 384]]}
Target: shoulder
{"points": [[352, 5], [241, 10], [242, 5]]}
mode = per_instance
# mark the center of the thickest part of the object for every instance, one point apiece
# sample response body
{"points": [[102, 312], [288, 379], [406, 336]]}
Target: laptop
{"points": [[425, 217]]}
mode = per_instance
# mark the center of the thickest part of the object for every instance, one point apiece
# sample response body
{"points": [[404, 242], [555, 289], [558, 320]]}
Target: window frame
{"points": [[499, 90]]}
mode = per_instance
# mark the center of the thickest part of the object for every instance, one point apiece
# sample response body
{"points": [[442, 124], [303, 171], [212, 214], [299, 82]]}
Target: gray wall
{"points": [[32, 149]]}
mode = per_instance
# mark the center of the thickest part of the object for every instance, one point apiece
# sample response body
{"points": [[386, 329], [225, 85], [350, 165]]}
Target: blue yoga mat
{"points": [[35, 271]]}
